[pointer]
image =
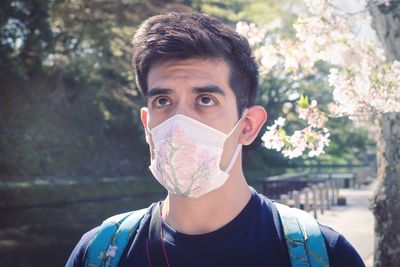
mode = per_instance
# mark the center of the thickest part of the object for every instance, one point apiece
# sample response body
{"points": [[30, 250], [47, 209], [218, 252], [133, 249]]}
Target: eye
{"points": [[162, 101], [206, 101]]}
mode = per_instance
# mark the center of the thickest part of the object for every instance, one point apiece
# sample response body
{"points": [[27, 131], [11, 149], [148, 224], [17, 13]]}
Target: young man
{"points": [[200, 81]]}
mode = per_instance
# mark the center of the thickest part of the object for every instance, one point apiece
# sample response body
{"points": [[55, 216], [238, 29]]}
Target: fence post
{"points": [[296, 198], [315, 199], [321, 196], [284, 199], [333, 191], [327, 193], [306, 192]]}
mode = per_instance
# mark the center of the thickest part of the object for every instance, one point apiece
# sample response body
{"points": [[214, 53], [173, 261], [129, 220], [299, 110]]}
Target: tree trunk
{"points": [[386, 202]]}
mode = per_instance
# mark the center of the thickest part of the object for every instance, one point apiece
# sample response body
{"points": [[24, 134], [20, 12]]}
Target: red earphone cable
{"points": [[163, 246]]}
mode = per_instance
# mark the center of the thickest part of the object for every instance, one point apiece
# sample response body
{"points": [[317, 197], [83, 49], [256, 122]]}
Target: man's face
{"points": [[197, 88]]}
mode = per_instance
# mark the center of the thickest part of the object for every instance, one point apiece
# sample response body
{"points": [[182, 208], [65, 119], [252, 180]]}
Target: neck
{"points": [[211, 211]]}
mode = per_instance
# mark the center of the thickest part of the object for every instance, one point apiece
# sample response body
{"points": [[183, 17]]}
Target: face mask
{"points": [[187, 154]]}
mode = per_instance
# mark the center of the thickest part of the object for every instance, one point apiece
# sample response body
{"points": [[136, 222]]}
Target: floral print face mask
{"points": [[187, 154]]}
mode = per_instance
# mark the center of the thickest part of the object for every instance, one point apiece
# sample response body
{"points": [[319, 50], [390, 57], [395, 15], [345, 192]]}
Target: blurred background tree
{"points": [[69, 105], [68, 100], [69, 114]]}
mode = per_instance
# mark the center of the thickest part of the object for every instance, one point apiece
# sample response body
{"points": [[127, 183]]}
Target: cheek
{"points": [[151, 123], [156, 117]]}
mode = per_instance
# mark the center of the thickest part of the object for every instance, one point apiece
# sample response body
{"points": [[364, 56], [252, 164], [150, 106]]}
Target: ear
{"points": [[143, 117], [254, 119]]}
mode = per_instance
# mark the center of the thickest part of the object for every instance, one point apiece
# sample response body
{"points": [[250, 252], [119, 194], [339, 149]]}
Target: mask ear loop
{"points": [[238, 147], [237, 123], [233, 159]]}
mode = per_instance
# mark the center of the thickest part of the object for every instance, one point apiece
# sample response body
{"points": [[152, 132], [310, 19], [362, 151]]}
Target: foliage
{"points": [[363, 83], [314, 137], [68, 103], [68, 90], [25, 35]]}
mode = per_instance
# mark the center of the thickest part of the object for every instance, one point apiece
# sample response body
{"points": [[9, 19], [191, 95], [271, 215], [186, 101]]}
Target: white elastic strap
{"points": [[233, 159], [237, 123]]}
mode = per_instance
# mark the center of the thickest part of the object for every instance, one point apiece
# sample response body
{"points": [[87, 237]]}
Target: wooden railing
{"points": [[318, 197], [308, 191]]}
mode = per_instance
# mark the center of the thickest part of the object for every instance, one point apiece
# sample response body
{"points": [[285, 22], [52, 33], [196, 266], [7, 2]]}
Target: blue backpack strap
{"points": [[108, 244], [304, 239], [123, 235]]}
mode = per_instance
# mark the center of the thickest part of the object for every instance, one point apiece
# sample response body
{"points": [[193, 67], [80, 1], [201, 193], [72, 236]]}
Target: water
{"points": [[45, 236]]}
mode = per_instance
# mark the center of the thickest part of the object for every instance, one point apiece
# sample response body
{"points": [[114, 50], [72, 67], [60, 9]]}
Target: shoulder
{"points": [[77, 256], [76, 259], [340, 251]]}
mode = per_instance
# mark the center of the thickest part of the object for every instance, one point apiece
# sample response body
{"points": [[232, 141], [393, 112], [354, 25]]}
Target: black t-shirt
{"points": [[253, 238]]}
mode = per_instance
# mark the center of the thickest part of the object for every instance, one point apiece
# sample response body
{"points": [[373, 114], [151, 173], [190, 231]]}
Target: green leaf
{"points": [[303, 101], [282, 132]]}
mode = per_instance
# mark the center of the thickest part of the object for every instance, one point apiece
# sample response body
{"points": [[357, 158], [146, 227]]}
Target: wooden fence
{"points": [[311, 192], [318, 197]]}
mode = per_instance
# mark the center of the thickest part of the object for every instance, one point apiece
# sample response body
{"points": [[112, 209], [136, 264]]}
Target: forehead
{"points": [[189, 73]]}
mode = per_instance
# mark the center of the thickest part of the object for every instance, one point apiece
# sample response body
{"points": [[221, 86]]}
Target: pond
{"points": [[45, 236]]}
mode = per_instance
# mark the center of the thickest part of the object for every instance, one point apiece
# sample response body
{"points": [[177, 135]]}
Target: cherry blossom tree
{"points": [[365, 81]]}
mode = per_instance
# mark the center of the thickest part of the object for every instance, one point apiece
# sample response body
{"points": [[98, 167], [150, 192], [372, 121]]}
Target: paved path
{"points": [[355, 221]]}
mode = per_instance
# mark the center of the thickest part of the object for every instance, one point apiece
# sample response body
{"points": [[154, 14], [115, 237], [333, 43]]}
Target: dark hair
{"points": [[195, 35]]}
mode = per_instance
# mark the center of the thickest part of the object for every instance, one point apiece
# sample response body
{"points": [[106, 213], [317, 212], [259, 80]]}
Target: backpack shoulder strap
{"points": [[108, 244], [303, 236]]}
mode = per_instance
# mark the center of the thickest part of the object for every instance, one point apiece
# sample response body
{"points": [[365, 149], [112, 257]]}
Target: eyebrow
{"points": [[208, 89], [158, 91], [198, 90]]}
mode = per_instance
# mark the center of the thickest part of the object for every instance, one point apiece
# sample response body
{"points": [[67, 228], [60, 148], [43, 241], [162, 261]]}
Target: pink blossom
{"points": [[313, 138], [362, 80]]}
